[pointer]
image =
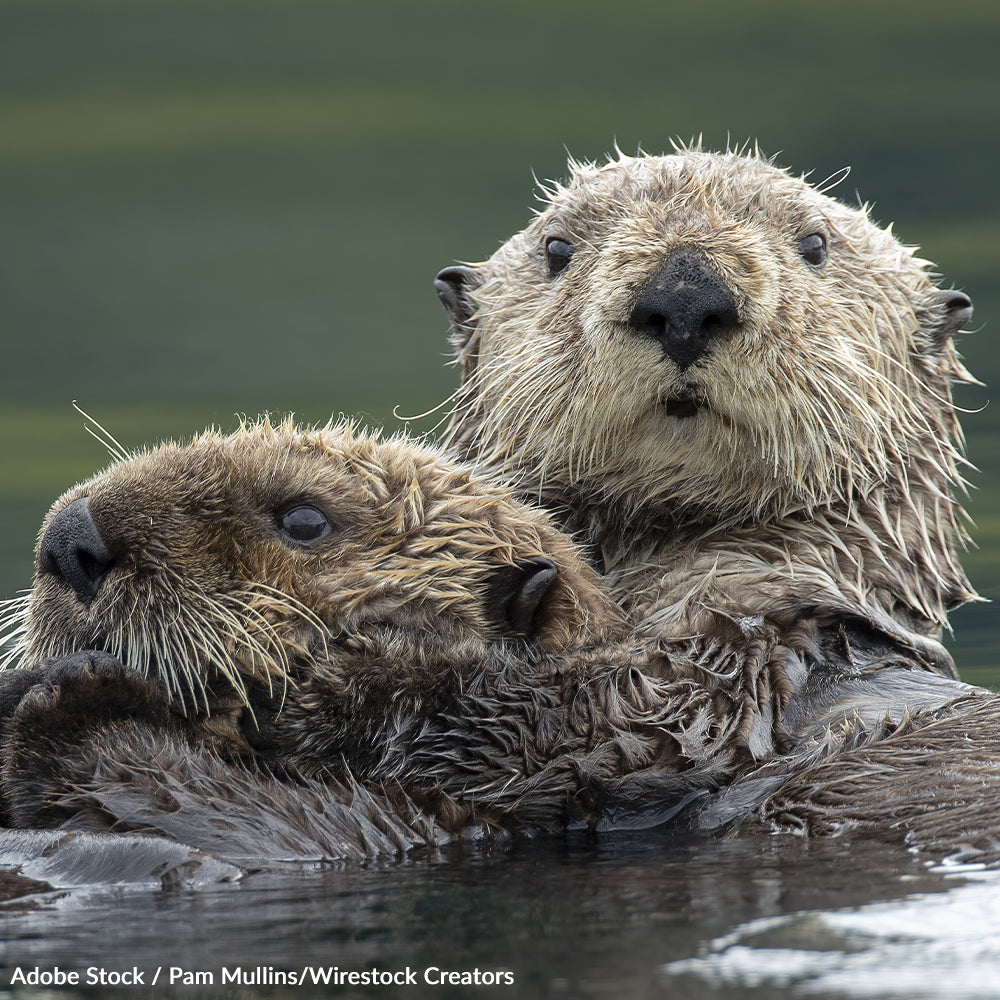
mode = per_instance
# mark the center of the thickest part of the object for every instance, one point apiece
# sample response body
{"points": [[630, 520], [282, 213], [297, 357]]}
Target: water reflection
{"points": [[928, 945], [573, 918]]}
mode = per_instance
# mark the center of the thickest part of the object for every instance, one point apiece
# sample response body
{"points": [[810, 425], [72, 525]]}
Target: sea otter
{"points": [[331, 605], [346, 646], [771, 498], [736, 390]]}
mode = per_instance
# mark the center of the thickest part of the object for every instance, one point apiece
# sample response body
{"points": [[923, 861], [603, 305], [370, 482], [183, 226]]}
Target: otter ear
{"points": [[516, 593], [455, 286], [950, 310]]}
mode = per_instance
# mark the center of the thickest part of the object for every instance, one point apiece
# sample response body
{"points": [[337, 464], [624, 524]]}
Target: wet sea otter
{"points": [[737, 391], [335, 646], [796, 606], [345, 608]]}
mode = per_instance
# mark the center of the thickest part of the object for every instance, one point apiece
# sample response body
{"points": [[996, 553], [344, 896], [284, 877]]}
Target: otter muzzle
{"points": [[687, 307], [72, 548]]}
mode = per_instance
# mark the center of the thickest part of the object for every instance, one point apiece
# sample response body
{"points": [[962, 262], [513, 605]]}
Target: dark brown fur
{"points": [[374, 727], [930, 779], [411, 646]]}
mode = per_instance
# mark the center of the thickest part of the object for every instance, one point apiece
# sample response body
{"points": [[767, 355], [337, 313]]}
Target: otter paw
{"points": [[63, 730], [14, 685], [258, 721], [84, 691]]}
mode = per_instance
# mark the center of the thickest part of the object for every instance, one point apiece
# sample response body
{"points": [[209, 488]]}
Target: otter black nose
{"points": [[72, 548], [686, 306]]}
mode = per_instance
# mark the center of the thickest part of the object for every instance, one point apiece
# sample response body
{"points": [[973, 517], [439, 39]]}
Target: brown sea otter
{"points": [[348, 646], [737, 392], [340, 607]]}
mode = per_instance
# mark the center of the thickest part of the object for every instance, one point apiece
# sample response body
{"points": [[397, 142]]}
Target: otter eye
{"points": [[304, 524], [813, 249], [557, 255]]}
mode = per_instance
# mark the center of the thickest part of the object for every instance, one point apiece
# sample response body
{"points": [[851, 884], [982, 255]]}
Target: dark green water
{"points": [[576, 919]]}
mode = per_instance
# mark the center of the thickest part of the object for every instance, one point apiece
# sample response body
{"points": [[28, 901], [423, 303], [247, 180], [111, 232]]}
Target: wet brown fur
{"points": [[206, 590], [778, 520], [788, 499], [354, 728], [809, 460], [380, 652], [929, 779]]}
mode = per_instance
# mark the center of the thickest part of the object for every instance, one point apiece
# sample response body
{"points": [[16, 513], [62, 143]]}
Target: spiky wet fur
{"points": [[375, 653], [521, 747], [928, 778], [821, 464], [453, 727], [206, 594]]}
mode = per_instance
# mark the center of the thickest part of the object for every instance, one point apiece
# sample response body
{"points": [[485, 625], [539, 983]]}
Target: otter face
{"points": [[702, 334], [225, 561]]}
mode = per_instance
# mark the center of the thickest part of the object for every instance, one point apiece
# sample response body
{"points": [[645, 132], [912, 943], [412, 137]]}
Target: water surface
{"points": [[622, 916]]}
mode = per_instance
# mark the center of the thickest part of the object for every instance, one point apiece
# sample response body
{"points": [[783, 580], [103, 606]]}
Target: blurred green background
{"points": [[214, 207]]}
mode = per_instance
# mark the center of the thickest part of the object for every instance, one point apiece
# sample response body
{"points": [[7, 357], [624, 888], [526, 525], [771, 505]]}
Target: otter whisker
{"points": [[214, 653], [14, 623], [179, 678], [834, 180], [104, 437], [267, 652], [283, 601], [434, 409]]}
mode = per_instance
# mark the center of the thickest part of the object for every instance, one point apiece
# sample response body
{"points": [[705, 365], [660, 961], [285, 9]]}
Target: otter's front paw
{"points": [[80, 708], [14, 685], [90, 689]]}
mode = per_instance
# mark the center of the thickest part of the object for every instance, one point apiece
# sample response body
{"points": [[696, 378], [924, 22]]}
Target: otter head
{"points": [[703, 339], [252, 560]]}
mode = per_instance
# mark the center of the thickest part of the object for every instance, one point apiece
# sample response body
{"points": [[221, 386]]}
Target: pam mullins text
{"points": [[259, 975]]}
